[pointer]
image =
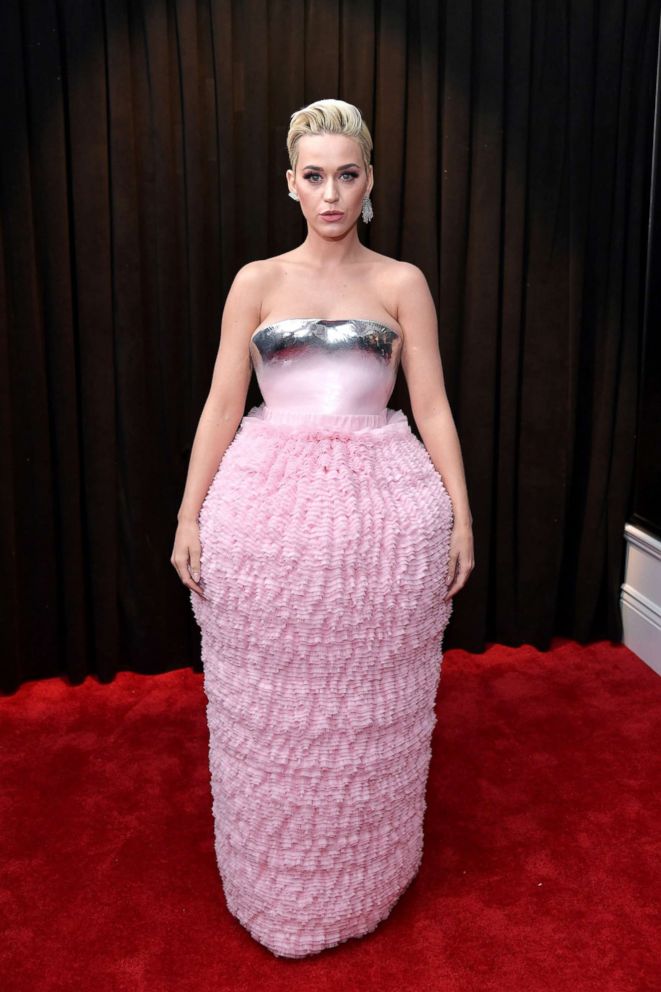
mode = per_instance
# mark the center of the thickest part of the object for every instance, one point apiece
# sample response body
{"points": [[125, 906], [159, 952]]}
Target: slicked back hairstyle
{"points": [[328, 117]]}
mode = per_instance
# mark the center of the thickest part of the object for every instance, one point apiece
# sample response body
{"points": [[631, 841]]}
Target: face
{"points": [[330, 176]]}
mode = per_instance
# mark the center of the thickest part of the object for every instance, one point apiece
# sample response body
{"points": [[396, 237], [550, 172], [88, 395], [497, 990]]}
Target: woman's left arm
{"points": [[423, 369]]}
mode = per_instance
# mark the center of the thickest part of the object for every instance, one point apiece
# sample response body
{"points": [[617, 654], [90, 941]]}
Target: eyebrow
{"points": [[321, 168]]}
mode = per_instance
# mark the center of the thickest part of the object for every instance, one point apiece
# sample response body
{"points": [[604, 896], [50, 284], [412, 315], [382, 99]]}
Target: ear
{"points": [[289, 176], [370, 181]]}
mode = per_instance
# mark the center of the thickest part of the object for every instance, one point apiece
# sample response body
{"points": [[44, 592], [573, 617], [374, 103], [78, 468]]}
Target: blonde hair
{"points": [[328, 117]]}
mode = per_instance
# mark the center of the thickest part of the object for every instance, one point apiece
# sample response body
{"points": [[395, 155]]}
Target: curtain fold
{"points": [[142, 163]]}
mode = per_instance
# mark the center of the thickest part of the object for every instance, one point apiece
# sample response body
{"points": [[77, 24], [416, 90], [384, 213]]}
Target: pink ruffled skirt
{"points": [[325, 543]]}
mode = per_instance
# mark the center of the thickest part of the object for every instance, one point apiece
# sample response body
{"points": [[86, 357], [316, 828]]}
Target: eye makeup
{"points": [[309, 175]]}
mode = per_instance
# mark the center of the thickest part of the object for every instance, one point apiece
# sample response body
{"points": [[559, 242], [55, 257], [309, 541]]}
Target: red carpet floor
{"points": [[542, 853]]}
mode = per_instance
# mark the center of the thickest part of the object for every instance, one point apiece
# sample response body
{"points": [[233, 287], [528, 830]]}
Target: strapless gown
{"points": [[325, 540]]}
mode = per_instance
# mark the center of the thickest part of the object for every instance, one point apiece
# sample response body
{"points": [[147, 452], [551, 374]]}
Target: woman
{"points": [[322, 544]]}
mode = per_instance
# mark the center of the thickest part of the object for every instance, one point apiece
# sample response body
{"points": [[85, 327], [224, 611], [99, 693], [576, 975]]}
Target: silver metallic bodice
{"points": [[326, 366]]}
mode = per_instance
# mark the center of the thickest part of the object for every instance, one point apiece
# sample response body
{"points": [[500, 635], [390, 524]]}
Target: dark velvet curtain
{"points": [[142, 162]]}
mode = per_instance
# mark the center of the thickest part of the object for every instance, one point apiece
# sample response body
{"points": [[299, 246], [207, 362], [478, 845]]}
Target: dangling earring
{"points": [[368, 212], [293, 195]]}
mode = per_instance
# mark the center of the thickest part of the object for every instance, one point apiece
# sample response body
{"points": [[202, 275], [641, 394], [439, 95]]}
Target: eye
{"points": [[313, 175]]}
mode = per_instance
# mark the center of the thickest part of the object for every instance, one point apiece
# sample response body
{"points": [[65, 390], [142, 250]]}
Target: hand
{"points": [[186, 555], [462, 560]]}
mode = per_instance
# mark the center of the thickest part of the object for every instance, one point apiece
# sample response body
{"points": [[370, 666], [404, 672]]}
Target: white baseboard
{"points": [[640, 596]]}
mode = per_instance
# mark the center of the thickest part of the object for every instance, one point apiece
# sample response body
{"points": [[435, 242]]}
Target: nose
{"points": [[330, 191]]}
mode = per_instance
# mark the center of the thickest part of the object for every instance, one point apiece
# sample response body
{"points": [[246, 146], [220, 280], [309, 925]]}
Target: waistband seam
{"points": [[321, 419]]}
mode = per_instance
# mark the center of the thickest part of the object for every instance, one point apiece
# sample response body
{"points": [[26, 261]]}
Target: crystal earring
{"points": [[368, 212], [293, 195]]}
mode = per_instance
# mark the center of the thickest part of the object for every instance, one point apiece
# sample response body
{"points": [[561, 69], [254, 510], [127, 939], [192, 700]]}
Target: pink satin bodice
{"points": [[326, 366]]}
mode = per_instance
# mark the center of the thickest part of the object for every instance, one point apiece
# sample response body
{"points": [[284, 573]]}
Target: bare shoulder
{"points": [[253, 273], [253, 281], [385, 262], [261, 272], [409, 277], [406, 290], [401, 276], [415, 307]]}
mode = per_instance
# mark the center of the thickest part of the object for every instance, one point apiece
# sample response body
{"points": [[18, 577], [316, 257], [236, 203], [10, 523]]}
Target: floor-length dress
{"points": [[325, 540]]}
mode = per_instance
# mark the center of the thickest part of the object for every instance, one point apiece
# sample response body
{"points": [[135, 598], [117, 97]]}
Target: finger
{"points": [[454, 588], [182, 570], [460, 582], [194, 567], [452, 567], [450, 592], [196, 588]]}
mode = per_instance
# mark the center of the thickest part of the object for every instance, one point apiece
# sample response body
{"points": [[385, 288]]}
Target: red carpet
{"points": [[541, 867]]}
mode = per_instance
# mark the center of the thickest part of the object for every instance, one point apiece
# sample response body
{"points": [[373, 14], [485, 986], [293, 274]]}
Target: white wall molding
{"points": [[640, 596]]}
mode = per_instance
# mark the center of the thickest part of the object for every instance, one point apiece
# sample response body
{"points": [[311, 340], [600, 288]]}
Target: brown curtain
{"points": [[142, 162]]}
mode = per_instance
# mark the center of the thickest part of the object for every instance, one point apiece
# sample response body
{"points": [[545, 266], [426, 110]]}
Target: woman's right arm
{"points": [[221, 415]]}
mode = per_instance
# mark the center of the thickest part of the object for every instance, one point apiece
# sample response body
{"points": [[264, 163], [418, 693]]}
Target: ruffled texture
{"points": [[324, 561]]}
